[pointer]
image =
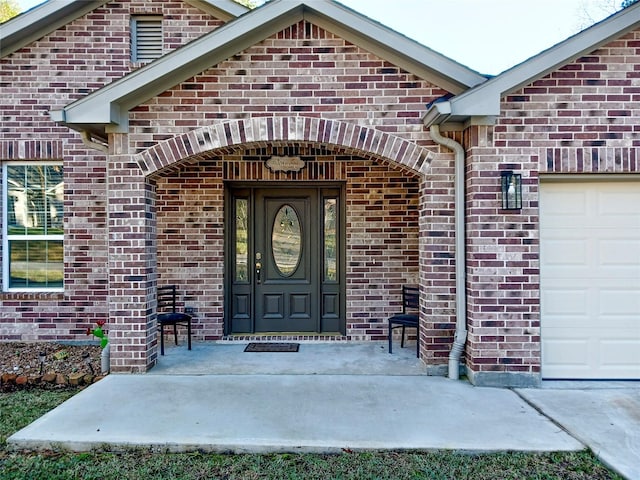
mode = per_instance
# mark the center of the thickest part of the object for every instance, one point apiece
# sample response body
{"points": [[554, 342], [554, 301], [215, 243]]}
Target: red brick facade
{"points": [[52, 72], [580, 119], [382, 233], [153, 209]]}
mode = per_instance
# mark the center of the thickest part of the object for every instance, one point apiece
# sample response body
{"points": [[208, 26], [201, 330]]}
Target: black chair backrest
{"points": [[167, 298], [410, 298]]}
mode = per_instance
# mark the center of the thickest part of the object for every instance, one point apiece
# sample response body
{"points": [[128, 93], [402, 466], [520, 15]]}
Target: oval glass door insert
{"points": [[286, 240]]}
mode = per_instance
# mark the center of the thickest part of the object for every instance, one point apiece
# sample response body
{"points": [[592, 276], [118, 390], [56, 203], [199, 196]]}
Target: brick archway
{"points": [[233, 136], [361, 140]]}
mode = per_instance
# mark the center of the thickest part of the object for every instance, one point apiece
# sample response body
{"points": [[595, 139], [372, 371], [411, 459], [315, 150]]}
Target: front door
{"points": [[285, 273]]}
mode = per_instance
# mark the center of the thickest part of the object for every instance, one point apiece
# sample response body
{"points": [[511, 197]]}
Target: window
{"points": [[330, 240], [146, 38], [33, 200]]}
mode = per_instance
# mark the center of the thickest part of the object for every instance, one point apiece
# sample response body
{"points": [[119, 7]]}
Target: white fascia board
{"points": [[392, 46], [110, 104], [437, 113], [485, 99], [39, 21], [224, 10]]}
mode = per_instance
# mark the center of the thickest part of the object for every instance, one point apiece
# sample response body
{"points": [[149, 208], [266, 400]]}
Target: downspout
{"points": [[89, 142], [460, 255]]}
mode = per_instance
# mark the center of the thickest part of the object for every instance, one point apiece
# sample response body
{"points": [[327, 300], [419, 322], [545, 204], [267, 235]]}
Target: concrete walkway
{"points": [[299, 402], [605, 416]]}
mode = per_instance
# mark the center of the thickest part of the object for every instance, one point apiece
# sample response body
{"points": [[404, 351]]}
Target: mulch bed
{"points": [[48, 365]]}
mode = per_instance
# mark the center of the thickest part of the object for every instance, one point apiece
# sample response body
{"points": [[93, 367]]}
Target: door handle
{"points": [[258, 271]]}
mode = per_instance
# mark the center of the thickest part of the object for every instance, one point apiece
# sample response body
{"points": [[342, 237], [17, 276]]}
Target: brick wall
{"points": [[304, 71], [580, 119], [381, 226], [52, 72]]}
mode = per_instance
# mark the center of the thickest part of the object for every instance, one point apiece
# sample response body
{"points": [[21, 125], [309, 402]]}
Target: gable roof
{"points": [[107, 108], [51, 15], [484, 100], [39, 21]]}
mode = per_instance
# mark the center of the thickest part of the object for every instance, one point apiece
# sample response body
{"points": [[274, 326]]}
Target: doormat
{"points": [[272, 347]]}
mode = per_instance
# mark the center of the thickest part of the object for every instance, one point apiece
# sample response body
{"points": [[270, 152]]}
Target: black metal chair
{"points": [[408, 318], [167, 315]]}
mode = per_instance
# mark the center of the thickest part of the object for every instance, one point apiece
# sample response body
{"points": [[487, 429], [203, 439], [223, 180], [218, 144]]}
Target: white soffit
{"points": [[225, 10]]}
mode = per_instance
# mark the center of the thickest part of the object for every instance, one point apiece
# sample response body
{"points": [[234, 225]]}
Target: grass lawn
{"points": [[18, 409]]}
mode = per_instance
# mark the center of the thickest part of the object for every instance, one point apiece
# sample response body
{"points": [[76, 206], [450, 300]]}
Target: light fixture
{"points": [[511, 188], [42, 356], [87, 359]]}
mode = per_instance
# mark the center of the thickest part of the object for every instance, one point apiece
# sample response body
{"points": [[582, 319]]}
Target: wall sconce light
{"points": [[511, 187]]}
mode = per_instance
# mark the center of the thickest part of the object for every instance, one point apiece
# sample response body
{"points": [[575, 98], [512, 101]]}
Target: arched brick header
{"points": [[364, 141]]}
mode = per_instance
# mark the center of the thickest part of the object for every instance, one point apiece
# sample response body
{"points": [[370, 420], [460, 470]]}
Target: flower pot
{"points": [[105, 359]]}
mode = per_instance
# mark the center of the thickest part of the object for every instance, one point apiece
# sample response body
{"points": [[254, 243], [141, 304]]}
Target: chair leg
{"points": [[390, 335], [189, 333], [161, 339], [175, 333], [402, 340], [418, 342]]}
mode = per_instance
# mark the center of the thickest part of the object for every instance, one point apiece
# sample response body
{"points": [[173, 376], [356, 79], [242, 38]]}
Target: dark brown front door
{"points": [[285, 272]]}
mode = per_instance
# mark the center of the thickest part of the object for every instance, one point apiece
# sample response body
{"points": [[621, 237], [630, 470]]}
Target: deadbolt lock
{"points": [[258, 270]]}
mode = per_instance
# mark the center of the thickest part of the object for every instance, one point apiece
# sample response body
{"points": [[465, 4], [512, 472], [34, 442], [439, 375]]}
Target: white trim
{"points": [[485, 99], [5, 234], [47, 17], [41, 20]]}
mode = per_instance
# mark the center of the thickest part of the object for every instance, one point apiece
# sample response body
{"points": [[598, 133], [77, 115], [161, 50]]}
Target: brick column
{"points": [[131, 211], [437, 264], [503, 346]]}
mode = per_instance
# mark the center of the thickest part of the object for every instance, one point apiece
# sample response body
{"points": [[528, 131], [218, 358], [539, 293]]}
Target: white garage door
{"points": [[590, 280]]}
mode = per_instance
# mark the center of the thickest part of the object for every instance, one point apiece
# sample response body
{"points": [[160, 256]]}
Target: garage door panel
{"points": [[568, 204], [610, 220], [620, 253], [564, 252], [590, 280], [620, 303], [595, 326], [566, 302], [619, 353], [622, 203], [561, 351], [590, 357]]}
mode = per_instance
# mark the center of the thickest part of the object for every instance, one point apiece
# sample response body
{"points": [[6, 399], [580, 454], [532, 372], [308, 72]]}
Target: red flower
{"points": [[89, 332], [100, 323]]}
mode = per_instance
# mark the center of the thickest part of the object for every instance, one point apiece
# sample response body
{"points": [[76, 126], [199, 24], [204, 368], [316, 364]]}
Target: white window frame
{"points": [[136, 20], [6, 261]]}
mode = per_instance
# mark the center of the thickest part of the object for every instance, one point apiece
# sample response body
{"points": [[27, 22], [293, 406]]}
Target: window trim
{"points": [[6, 263]]}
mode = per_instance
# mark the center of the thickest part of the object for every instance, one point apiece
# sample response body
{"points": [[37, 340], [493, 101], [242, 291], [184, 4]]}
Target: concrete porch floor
{"points": [[313, 358]]}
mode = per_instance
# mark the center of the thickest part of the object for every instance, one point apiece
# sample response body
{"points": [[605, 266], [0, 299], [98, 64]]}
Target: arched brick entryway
{"points": [[343, 138], [365, 141]]}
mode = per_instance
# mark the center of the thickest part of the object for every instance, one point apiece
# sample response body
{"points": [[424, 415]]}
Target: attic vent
{"points": [[146, 38]]}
